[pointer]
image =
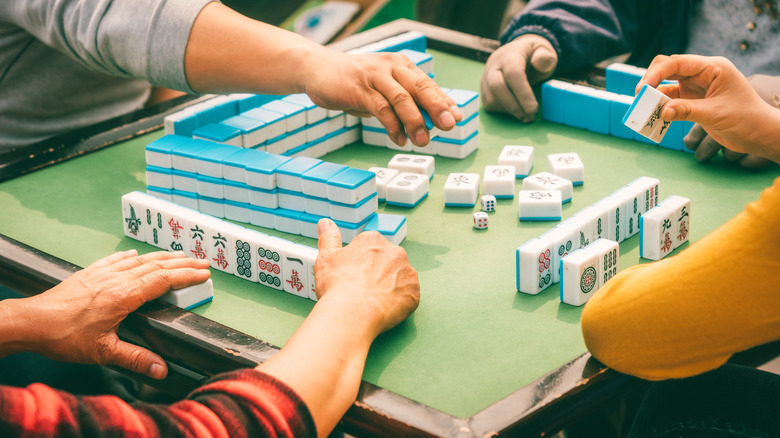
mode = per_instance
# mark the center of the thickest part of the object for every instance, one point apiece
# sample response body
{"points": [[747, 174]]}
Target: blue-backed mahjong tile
{"points": [[210, 160], [618, 107], [184, 156], [248, 102], [289, 173], [673, 138], [274, 121], [219, 133], [315, 179], [261, 172], [225, 109], [158, 152]]}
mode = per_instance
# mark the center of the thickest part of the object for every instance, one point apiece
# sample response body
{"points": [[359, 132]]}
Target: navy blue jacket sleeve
{"points": [[584, 32]]}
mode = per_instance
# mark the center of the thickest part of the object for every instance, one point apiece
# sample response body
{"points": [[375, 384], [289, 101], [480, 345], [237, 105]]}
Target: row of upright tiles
{"points": [[264, 189], [248, 254], [615, 217], [602, 111]]}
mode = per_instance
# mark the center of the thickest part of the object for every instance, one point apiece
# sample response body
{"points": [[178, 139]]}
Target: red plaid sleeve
{"points": [[244, 403]]}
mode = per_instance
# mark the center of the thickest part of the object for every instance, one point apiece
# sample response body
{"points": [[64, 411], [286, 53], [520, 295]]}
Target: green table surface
{"points": [[474, 339]]}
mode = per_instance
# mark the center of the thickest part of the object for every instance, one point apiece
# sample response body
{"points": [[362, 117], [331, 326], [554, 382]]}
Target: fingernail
{"points": [[178, 253], [157, 371], [456, 112], [401, 139], [324, 225], [668, 114], [421, 137], [446, 119]]}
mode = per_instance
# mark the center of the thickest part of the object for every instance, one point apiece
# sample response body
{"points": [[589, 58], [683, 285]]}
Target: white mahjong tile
{"points": [[134, 215], [407, 189], [548, 181], [423, 164], [583, 228], [533, 266], [644, 115], [634, 198], [191, 296], [616, 217], [599, 218], [562, 241], [539, 205], [682, 222], [383, 177], [567, 165], [579, 277], [608, 252], [522, 157], [461, 189], [650, 189], [499, 181], [656, 228]]}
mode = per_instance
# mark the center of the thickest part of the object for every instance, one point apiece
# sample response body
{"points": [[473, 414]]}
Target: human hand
{"points": [[511, 70], [386, 85], [370, 271], [768, 88], [714, 94], [77, 320]]}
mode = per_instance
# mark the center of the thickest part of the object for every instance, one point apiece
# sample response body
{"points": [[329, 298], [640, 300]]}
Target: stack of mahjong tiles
{"points": [[540, 262], [603, 111], [245, 253], [286, 125], [267, 190], [458, 142]]}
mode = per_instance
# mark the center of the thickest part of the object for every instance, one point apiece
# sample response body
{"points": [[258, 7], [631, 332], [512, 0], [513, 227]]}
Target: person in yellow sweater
{"points": [[688, 314]]}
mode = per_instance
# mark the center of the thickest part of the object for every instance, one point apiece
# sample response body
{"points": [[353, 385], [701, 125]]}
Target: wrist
{"points": [[355, 309], [15, 326], [768, 133]]}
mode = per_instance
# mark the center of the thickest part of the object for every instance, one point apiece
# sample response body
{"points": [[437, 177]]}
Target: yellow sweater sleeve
{"points": [[688, 314]]}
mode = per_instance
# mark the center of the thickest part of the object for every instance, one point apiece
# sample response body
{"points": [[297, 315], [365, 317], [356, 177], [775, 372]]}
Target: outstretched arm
{"points": [[228, 52], [365, 288], [688, 314], [76, 321]]}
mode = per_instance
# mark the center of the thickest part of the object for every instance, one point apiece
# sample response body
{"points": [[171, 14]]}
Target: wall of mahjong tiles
{"points": [[471, 319]]}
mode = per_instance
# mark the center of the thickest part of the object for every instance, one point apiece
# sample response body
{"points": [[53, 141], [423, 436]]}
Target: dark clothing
{"points": [[584, 32], [731, 401]]}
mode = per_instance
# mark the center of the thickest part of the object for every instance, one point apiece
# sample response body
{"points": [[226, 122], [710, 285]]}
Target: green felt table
{"points": [[474, 339]]}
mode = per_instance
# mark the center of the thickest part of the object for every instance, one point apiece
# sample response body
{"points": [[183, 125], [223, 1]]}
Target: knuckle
{"points": [[399, 97]]}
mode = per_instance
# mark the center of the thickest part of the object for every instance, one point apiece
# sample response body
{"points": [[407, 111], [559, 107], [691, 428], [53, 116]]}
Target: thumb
{"points": [[694, 110], [136, 359], [544, 60], [328, 234]]}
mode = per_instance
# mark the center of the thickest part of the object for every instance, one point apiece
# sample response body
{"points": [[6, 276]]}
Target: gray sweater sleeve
{"points": [[144, 39]]}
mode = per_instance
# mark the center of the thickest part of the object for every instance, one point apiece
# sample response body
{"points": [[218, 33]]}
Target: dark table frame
{"points": [[196, 347]]}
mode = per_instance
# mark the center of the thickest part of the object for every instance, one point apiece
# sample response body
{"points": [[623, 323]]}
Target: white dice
{"points": [[487, 203], [480, 220]]}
